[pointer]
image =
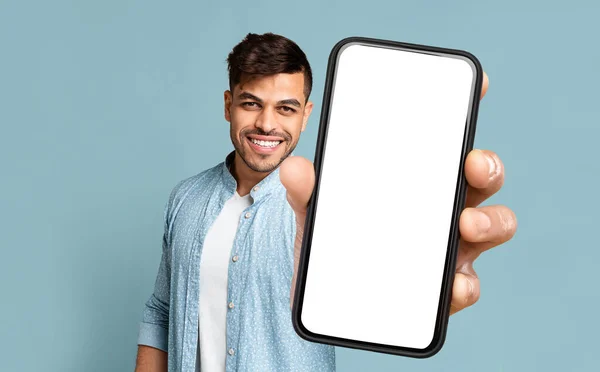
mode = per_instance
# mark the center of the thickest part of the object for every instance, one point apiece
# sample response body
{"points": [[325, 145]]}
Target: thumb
{"points": [[297, 175]]}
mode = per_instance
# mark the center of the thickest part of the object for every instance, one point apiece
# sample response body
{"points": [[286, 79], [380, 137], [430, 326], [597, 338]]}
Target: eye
{"points": [[288, 109], [250, 104]]}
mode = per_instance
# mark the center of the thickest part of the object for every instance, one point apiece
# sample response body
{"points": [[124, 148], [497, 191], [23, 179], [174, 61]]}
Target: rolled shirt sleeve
{"points": [[154, 327]]}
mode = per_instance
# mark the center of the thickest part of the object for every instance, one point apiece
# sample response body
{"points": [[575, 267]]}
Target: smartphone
{"points": [[381, 237]]}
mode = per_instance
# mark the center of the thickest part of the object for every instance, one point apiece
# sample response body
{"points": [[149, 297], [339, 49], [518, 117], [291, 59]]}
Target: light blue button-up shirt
{"points": [[260, 334]]}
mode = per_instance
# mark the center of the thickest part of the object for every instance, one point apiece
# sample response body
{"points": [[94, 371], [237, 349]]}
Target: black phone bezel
{"points": [[442, 318]]}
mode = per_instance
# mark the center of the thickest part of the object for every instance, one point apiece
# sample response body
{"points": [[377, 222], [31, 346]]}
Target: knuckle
{"points": [[508, 222], [474, 298], [498, 175], [476, 292]]}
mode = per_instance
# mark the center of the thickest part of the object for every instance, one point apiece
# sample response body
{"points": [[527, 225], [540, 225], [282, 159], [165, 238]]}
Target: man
{"points": [[222, 297]]}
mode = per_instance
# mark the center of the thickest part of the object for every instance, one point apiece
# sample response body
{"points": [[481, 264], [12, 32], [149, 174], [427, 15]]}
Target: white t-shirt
{"points": [[214, 264]]}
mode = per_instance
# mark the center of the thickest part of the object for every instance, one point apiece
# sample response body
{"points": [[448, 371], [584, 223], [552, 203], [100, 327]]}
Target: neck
{"points": [[245, 177]]}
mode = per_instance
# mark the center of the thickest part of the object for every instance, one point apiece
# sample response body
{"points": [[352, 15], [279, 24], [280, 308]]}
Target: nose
{"points": [[266, 120]]}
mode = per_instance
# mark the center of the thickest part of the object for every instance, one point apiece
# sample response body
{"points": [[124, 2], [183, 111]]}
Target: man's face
{"points": [[267, 115]]}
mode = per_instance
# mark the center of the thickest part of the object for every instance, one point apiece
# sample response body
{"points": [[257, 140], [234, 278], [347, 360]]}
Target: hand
{"points": [[481, 228]]}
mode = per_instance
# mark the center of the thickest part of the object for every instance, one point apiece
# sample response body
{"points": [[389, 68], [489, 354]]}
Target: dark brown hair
{"points": [[267, 54]]}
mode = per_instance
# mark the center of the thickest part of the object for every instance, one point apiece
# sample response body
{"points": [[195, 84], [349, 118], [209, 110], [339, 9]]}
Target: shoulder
{"points": [[203, 180], [197, 180]]}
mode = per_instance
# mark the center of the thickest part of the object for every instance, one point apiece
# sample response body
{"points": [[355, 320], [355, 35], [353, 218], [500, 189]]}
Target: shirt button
{"points": [[231, 305], [247, 215], [231, 352], [235, 258], [256, 188]]}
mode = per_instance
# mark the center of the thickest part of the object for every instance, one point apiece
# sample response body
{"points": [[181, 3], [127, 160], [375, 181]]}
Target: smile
{"points": [[267, 144], [263, 145]]}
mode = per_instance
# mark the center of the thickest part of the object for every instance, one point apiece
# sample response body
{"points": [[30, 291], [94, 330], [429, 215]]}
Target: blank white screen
{"points": [[395, 135]]}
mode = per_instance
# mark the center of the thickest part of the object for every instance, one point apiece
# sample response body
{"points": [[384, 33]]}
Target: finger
{"points": [[485, 85], [465, 291], [297, 175], [492, 225], [484, 172]]}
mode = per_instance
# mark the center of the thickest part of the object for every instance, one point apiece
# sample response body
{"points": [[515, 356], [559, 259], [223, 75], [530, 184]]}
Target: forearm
{"points": [[297, 248], [293, 287], [150, 359]]}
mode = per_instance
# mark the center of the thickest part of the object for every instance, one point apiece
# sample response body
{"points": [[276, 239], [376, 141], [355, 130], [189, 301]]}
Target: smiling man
{"points": [[232, 233]]}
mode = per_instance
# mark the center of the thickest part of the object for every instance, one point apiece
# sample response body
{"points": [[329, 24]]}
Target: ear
{"points": [[227, 103], [307, 110]]}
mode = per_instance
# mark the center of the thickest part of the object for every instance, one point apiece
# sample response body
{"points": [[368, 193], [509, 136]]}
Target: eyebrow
{"points": [[289, 101]]}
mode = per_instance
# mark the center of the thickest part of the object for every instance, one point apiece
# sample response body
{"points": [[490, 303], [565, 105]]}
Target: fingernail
{"points": [[471, 288], [491, 164], [482, 221]]}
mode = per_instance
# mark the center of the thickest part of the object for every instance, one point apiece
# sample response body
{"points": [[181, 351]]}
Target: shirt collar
{"points": [[260, 190]]}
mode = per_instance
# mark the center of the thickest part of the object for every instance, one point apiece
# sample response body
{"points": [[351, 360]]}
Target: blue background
{"points": [[105, 105]]}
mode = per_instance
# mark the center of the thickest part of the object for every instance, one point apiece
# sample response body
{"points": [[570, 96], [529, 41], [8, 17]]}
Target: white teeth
{"points": [[265, 143]]}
